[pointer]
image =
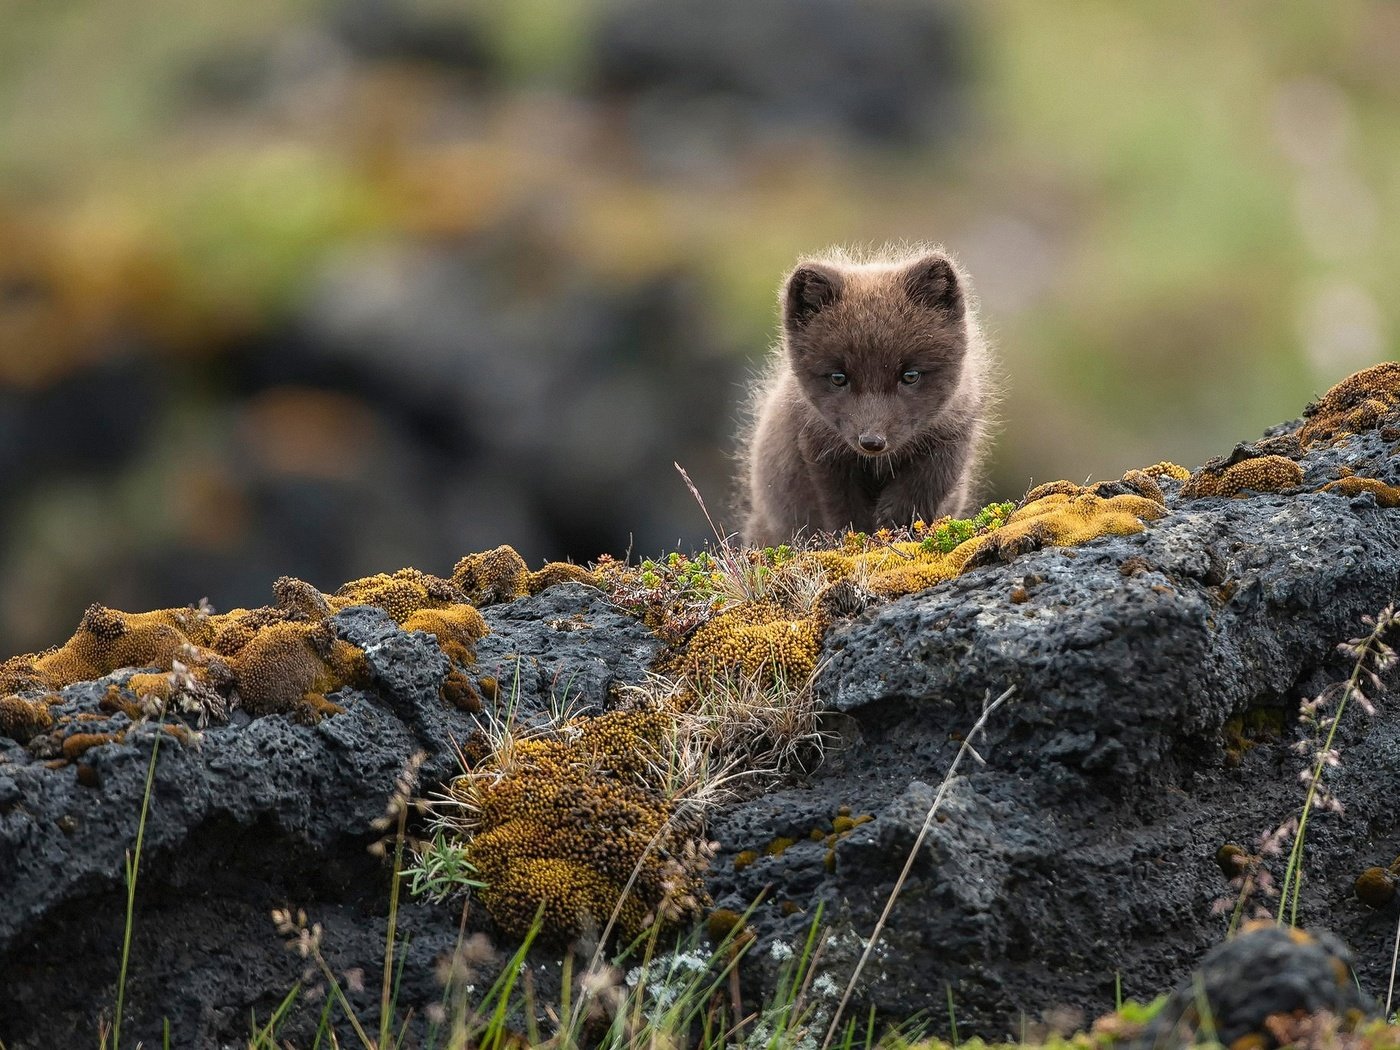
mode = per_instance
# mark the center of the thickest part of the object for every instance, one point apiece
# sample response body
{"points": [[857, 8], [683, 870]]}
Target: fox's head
{"points": [[877, 348]]}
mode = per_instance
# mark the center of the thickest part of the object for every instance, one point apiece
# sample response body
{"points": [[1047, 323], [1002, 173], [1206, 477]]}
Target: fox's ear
{"points": [[809, 290], [933, 283]]}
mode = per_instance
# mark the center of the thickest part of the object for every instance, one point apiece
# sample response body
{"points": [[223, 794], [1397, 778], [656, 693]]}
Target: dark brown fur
{"points": [[878, 445]]}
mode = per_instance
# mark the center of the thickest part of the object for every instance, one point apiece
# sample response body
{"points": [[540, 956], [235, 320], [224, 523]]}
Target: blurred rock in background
{"points": [[328, 289], [885, 73]]}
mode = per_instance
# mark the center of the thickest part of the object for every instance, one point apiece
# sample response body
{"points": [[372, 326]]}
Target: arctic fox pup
{"points": [[875, 407]]}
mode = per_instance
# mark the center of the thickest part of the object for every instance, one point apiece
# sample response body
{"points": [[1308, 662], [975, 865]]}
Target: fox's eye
{"points": [[838, 378], [910, 377]]}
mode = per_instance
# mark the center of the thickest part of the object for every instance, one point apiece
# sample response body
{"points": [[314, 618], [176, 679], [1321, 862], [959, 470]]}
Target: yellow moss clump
{"points": [[282, 658], [561, 823], [1133, 483], [556, 572], [768, 641], [1051, 488], [1257, 473], [756, 640], [844, 824], [155, 685], [1359, 402], [235, 629], [1058, 513], [295, 599], [21, 719], [415, 600], [1166, 469], [290, 666], [1139, 482], [107, 640], [500, 575], [278, 659], [1064, 520], [400, 594], [628, 741], [1386, 495], [275, 664], [1375, 887], [497, 575], [457, 629], [899, 568], [17, 673], [77, 744], [570, 898]]}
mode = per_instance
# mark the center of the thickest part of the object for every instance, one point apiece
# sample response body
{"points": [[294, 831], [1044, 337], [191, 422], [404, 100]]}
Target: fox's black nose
{"points": [[873, 442]]}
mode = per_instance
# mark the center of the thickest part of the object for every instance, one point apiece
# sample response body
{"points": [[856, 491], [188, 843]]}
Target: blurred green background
{"points": [[329, 288]]}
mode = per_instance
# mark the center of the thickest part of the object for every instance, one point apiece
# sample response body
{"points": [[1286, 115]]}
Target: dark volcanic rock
{"points": [[1265, 972], [887, 71], [568, 646], [259, 814], [1157, 680], [1084, 846]]}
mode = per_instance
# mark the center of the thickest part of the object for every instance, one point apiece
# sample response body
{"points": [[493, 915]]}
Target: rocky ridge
{"points": [[1157, 677]]}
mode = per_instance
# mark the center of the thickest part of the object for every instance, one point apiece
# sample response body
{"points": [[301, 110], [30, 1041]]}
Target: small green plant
{"points": [[1371, 657], [304, 937], [672, 595], [946, 536], [442, 870], [264, 1036], [132, 869], [694, 576], [993, 515]]}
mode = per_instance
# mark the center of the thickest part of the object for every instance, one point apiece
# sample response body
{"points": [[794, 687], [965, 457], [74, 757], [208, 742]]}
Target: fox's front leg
{"points": [[841, 500], [927, 489]]}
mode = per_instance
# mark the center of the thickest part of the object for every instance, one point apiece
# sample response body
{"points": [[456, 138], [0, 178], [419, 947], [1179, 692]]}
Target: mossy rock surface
{"points": [[258, 813], [1083, 847]]}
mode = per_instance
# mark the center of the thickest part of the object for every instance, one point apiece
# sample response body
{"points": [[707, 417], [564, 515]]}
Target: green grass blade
{"points": [[133, 865]]}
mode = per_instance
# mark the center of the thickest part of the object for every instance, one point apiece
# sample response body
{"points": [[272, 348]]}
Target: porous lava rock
{"points": [[1157, 679], [258, 813], [1081, 849], [1256, 987]]}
